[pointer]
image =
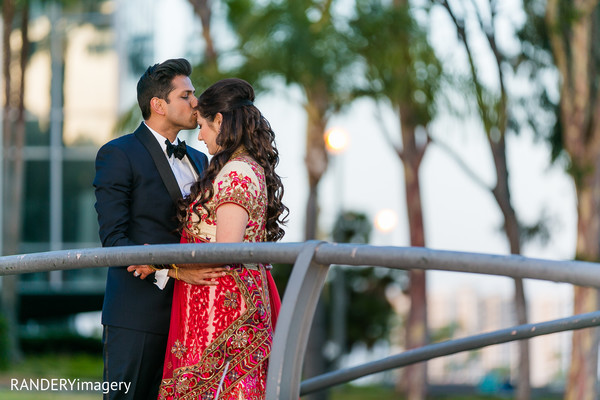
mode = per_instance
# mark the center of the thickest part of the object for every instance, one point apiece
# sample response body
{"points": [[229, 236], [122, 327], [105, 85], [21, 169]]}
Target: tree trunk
{"points": [[316, 164], [501, 191], [523, 369], [7, 21], [414, 379], [203, 11], [9, 296], [582, 381], [511, 229], [316, 159], [17, 142], [573, 50]]}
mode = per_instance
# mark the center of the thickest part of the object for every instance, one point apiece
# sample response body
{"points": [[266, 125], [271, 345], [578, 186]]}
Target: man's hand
{"points": [[202, 276], [140, 271]]}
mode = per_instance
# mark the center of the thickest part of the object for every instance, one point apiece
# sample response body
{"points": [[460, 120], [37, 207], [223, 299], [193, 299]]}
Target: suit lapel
{"points": [[157, 154], [197, 164]]}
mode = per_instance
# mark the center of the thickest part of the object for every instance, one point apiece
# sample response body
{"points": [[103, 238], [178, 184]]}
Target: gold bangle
{"points": [[176, 271], [153, 267]]}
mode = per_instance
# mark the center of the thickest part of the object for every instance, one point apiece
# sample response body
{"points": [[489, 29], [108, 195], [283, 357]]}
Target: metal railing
{"points": [[311, 262]]}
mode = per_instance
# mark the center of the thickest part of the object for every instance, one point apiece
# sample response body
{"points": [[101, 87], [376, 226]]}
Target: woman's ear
{"points": [[218, 121]]}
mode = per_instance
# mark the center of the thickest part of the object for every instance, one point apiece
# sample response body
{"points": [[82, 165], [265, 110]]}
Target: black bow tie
{"points": [[178, 150]]}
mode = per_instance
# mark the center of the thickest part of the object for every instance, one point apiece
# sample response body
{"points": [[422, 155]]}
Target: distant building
{"points": [[467, 312], [83, 55], [80, 84], [71, 98]]}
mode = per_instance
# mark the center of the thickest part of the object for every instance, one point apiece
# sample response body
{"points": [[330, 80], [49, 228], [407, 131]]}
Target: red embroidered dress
{"points": [[220, 336]]}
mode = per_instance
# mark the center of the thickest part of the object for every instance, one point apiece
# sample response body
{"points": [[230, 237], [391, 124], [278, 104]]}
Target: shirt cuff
{"points": [[161, 277]]}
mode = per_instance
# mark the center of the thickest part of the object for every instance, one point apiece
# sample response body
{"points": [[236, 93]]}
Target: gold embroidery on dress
{"points": [[240, 339], [241, 182], [178, 349], [231, 299], [221, 343], [251, 194], [211, 362], [238, 152], [182, 385]]}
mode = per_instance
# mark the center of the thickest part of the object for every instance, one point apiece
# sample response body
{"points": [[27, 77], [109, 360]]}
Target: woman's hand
{"points": [[232, 220], [230, 229], [199, 276]]}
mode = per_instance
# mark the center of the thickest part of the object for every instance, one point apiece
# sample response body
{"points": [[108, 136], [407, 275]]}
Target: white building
{"points": [[473, 312]]}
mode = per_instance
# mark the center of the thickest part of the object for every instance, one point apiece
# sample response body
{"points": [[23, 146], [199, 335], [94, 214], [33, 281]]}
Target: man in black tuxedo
{"points": [[139, 179]]}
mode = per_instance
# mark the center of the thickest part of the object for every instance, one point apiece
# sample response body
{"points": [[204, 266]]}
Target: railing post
{"points": [[293, 326]]}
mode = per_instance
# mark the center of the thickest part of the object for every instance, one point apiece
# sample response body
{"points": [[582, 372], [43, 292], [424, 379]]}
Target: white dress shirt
{"points": [[186, 175]]}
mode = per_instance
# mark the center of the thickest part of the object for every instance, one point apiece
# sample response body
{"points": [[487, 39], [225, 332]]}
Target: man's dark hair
{"points": [[157, 81]]}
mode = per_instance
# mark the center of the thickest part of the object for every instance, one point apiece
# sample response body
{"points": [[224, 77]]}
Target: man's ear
{"points": [[157, 105]]}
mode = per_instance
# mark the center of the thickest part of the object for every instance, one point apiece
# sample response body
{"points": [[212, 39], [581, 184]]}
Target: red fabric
{"points": [[220, 336], [275, 299]]}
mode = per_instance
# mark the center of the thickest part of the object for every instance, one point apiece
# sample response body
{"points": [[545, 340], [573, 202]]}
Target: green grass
{"points": [[68, 366], [349, 392], [363, 393]]}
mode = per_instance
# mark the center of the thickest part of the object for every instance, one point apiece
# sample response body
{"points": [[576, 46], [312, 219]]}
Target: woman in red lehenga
{"points": [[220, 335]]}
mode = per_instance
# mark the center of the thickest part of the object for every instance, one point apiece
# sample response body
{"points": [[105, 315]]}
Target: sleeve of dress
{"points": [[238, 184]]}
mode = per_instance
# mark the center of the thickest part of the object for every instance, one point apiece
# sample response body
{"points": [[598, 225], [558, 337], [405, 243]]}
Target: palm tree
{"points": [[401, 69], [9, 283], [299, 41], [573, 35], [208, 70], [494, 111], [13, 140], [13, 132], [563, 37]]}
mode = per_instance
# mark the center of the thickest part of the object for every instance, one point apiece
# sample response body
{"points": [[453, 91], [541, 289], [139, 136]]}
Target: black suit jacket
{"points": [[135, 201]]}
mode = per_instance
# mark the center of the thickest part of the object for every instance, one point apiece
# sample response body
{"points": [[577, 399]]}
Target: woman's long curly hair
{"points": [[242, 125]]}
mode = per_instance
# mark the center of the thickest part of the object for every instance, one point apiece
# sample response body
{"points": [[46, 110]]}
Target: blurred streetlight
{"points": [[386, 220], [336, 140]]}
